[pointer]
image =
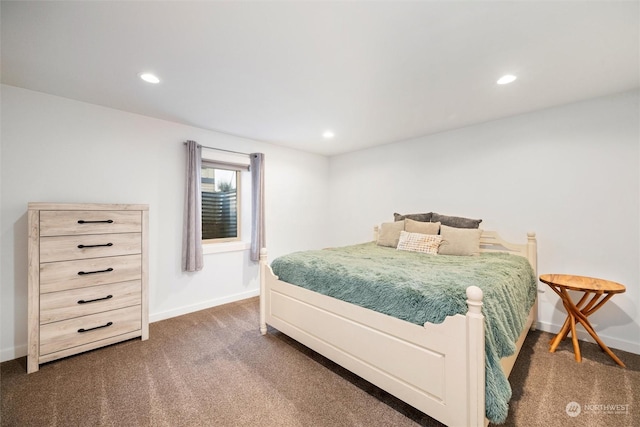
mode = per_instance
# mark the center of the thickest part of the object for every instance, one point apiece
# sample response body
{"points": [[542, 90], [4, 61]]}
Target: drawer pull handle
{"points": [[94, 300], [81, 330], [82, 221], [94, 246], [82, 273]]}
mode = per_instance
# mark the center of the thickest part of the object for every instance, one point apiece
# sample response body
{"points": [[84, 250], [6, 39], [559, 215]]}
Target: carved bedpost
{"points": [[532, 251], [532, 255], [475, 357], [263, 295]]}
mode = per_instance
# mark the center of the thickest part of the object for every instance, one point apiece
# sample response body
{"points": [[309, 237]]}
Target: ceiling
{"points": [[284, 72]]}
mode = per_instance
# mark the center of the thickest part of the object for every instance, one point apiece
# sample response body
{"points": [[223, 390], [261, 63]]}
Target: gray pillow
{"points": [[422, 217], [455, 221]]}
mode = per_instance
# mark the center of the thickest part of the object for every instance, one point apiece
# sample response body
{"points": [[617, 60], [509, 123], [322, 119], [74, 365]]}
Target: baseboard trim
{"points": [[179, 311], [613, 343], [21, 350], [13, 353]]}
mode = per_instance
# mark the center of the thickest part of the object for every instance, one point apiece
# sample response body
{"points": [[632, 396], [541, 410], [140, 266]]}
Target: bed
{"points": [[439, 367]]}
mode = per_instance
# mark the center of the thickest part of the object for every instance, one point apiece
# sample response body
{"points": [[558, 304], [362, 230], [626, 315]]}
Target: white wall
{"points": [[571, 174], [59, 150]]}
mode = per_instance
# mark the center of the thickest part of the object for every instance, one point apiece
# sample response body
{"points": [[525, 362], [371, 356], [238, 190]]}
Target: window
{"points": [[220, 203], [226, 201]]}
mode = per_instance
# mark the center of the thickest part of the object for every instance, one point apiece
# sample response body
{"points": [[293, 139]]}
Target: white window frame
{"points": [[243, 186]]}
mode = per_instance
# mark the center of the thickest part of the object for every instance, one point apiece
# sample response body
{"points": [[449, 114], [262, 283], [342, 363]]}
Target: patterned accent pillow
{"points": [[416, 242]]}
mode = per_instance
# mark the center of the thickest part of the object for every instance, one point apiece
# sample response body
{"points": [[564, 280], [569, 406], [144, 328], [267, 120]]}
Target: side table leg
{"points": [[574, 338], [555, 341], [572, 311], [585, 323]]}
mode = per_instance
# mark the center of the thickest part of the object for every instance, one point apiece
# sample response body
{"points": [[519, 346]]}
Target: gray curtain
{"points": [[192, 228], [258, 240]]}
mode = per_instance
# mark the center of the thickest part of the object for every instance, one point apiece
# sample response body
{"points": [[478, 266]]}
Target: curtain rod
{"points": [[221, 149]]}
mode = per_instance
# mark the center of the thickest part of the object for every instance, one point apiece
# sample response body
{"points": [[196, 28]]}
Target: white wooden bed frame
{"points": [[436, 368]]}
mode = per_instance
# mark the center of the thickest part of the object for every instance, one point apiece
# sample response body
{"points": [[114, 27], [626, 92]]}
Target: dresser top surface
{"points": [[45, 206]]}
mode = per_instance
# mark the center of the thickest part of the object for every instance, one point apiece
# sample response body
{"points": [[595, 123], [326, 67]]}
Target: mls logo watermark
{"points": [[573, 409]]}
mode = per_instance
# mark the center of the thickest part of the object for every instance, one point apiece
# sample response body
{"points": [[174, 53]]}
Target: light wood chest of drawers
{"points": [[88, 278]]}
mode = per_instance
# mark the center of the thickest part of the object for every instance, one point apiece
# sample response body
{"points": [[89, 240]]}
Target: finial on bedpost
{"points": [[474, 300], [531, 239], [263, 254]]}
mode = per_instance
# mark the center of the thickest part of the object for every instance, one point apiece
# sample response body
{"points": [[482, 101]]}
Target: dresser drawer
{"points": [[86, 329], [59, 276], [63, 248], [60, 223], [56, 306]]}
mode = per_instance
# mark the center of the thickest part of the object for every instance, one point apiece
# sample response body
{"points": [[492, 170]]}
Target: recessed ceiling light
{"points": [[149, 78], [328, 134], [506, 79]]}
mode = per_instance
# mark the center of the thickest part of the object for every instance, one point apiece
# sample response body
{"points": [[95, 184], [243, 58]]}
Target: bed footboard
{"points": [[442, 366]]}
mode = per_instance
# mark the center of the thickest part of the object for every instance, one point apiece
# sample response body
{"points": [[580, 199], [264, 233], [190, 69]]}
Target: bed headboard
{"points": [[490, 241]]}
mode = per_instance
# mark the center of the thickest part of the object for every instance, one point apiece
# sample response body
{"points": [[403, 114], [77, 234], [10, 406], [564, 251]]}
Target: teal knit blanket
{"points": [[423, 288]]}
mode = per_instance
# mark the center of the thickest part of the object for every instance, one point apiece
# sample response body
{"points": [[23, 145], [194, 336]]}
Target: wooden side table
{"points": [[600, 291]]}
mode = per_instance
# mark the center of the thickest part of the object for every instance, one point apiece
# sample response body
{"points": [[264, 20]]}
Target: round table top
{"points": [[582, 283]]}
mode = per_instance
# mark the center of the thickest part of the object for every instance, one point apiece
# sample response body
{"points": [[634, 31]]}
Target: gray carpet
{"points": [[213, 368]]}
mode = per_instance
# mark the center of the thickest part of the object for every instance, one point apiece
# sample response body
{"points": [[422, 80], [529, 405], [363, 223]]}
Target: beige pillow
{"points": [[416, 242], [459, 241], [389, 233], [421, 227]]}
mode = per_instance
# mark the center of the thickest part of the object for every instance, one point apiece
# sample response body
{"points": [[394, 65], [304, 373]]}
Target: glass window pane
{"points": [[219, 204]]}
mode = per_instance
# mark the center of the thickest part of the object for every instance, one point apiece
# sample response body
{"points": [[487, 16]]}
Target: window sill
{"points": [[216, 248]]}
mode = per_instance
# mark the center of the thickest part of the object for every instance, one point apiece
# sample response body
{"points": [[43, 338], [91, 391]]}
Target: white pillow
{"points": [[459, 241], [417, 242]]}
